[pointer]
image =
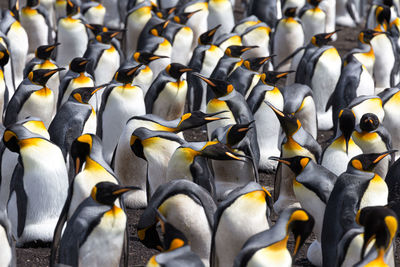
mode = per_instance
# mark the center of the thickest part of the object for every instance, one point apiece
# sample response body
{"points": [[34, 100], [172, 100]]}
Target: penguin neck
{"points": [[379, 260], [47, 64], [95, 162]]}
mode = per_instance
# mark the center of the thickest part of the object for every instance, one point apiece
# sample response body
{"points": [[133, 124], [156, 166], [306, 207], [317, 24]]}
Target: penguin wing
{"points": [[155, 89], [256, 97], [294, 95], [302, 71], [104, 98], [196, 62], [239, 108], [43, 11], [202, 174], [64, 85], [312, 62], [17, 186], [93, 54], [393, 182]]}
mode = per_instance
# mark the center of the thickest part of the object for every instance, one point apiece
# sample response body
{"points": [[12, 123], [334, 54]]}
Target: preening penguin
{"points": [[244, 212], [120, 102], [37, 188], [269, 248], [186, 206], [33, 98], [355, 189], [166, 96], [95, 235]]}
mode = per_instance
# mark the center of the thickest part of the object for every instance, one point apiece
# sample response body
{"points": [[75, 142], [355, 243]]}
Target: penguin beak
{"points": [[84, 62], [134, 69], [50, 48], [155, 57], [78, 165], [51, 72], [210, 83], [329, 35], [375, 33], [185, 70], [213, 31], [125, 189], [229, 154], [266, 59], [283, 74], [211, 117], [248, 48], [95, 89], [380, 157], [280, 160], [277, 111]]}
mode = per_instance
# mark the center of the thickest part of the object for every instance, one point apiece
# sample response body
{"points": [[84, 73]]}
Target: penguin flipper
{"points": [[22, 199], [285, 60]]}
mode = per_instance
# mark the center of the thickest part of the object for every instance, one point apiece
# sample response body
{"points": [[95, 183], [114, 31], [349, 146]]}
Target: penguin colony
{"points": [[95, 97]]}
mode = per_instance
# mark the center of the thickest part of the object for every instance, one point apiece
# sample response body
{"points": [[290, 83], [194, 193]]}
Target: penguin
{"points": [[267, 124], [49, 6], [156, 148], [135, 21], [312, 187], [287, 38], [355, 189], [257, 35], [112, 18], [94, 12], [221, 13], [297, 142], [342, 149], [390, 100], [75, 118], [269, 247], [130, 173], [32, 98], [393, 184], [381, 224], [266, 11], [313, 19], [228, 39], [176, 248], [347, 13], [8, 255], [245, 77], [190, 161], [320, 68], [299, 100], [37, 188], [76, 77], [60, 8], [18, 45], [245, 23], [166, 96], [204, 60], [245, 212], [4, 92], [96, 233], [35, 20], [186, 206], [370, 19], [372, 137], [72, 35], [120, 102], [42, 60], [367, 104]]}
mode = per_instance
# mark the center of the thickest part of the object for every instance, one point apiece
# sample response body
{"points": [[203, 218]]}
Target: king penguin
{"points": [[94, 12], [120, 102], [221, 13], [4, 91], [8, 254], [166, 96], [367, 104], [37, 188], [32, 98], [313, 19], [269, 248], [245, 212], [267, 11], [355, 189], [96, 233], [258, 35], [186, 206]]}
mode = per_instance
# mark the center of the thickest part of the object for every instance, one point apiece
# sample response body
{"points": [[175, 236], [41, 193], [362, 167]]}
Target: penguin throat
{"points": [[176, 243], [280, 245], [379, 261]]}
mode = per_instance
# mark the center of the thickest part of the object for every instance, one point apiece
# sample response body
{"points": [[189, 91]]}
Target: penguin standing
{"points": [[186, 206], [37, 189], [313, 19], [346, 13], [221, 13], [112, 18], [60, 8], [342, 149], [4, 91], [269, 248], [244, 212], [267, 11], [32, 98], [36, 22], [257, 35], [120, 102], [166, 96], [94, 12], [288, 37], [96, 233], [355, 189], [71, 34]]}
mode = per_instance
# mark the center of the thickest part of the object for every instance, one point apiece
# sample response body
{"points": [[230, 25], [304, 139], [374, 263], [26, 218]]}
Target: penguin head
{"points": [[11, 140], [175, 70], [78, 64], [366, 36], [164, 13], [24, 129], [347, 122], [219, 87], [45, 51], [106, 193], [83, 94], [237, 132], [289, 123], [367, 162], [314, 3], [296, 164], [4, 56], [158, 29], [272, 77], [32, 3], [208, 37], [300, 223], [184, 17], [146, 57], [369, 122], [137, 146], [255, 63], [72, 8], [197, 119], [380, 223], [172, 237], [106, 37], [41, 76], [382, 15], [96, 28], [218, 151], [322, 38], [290, 12], [126, 75], [238, 50], [86, 145]]}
